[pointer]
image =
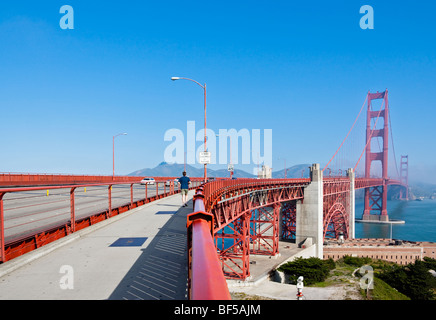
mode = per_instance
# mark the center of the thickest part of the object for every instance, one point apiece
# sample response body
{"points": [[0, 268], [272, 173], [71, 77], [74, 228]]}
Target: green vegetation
{"points": [[383, 291], [391, 281], [414, 280], [356, 261], [430, 263], [312, 269]]}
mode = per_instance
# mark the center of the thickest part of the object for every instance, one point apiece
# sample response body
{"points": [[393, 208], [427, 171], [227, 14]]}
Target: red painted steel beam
{"points": [[2, 229], [28, 179], [232, 204], [13, 179], [72, 210], [207, 278]]}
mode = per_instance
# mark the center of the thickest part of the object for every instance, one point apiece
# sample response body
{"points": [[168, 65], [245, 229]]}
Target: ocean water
{"points": [[420, 218]]}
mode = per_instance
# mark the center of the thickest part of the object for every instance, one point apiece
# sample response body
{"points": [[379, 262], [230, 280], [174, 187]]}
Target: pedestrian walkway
{"points": [[140, 254]]}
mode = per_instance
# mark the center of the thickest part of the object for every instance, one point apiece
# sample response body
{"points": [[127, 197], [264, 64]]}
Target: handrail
{"points": [[35, 179], [35, 236], [206, 279]]}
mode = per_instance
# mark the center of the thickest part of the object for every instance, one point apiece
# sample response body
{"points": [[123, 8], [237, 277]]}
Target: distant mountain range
{"points": [[165, 169], [175, 170]]}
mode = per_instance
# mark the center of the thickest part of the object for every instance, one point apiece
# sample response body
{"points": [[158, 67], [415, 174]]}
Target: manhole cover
{"points": [[128, 242], [165, 212]]}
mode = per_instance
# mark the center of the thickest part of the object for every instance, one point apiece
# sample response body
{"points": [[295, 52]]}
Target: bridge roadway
{"points": [[155, 269], [29, 212]]}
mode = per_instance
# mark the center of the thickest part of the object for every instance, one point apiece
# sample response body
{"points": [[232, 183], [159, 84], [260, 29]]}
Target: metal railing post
{"points": [[108, 215], [131, 195], [2, 230], [72, 210]]}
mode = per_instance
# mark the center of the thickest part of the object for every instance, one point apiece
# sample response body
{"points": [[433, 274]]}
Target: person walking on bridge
{"points": [[184, 183]]}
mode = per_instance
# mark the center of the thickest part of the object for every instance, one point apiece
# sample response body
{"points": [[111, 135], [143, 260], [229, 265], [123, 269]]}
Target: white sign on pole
{"points": [[204, 158], [230, 167]]}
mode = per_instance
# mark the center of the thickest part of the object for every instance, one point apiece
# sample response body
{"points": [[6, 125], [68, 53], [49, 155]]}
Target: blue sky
{"points": [[302, 70]]}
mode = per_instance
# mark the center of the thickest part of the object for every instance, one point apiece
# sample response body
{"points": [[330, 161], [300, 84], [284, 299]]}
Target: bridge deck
{"points": [[106, 266]]}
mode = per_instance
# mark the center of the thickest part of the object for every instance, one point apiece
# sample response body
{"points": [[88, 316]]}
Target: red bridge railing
{"points": [[37, 179], [206, 279], [48, 213]]}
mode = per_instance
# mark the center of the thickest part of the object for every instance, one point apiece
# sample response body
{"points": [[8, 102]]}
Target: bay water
{"points": [[419, 217]]}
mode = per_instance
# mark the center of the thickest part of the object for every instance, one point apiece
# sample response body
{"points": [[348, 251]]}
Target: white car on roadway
{"points": [[148, 181], [168, 182]]}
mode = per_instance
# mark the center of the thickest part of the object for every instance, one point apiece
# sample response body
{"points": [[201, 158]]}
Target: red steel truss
{"points": [[289, 220], [247, 218], [250, 215], [336, 207]]}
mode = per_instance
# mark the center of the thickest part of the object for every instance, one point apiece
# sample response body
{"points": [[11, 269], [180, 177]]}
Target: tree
{"points": [[312, 269], [413, 280]]}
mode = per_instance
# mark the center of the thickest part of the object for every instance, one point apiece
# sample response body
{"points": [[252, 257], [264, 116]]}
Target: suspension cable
{"points": [[392, 140], [347, 135], [370, 136]]}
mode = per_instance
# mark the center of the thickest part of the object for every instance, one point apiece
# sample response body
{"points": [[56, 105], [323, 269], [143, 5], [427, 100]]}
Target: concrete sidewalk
{"points": [[140, 254]]}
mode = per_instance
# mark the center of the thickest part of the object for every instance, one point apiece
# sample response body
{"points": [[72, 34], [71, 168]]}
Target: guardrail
{"points": [[206, 279], [31, 217], [38, 179]]}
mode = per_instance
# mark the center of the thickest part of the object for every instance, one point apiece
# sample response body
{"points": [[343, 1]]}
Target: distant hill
{"points": [[297, 171], [168, 170], [165, 169], [175, 170]]}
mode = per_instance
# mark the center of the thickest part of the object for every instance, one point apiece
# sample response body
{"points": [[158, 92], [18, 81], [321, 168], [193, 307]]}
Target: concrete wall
{"points": [[309, 221], [308, 252], [399, 255]]}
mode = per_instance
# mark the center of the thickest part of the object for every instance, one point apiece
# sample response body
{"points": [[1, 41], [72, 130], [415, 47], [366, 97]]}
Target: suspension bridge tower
{"points": [[376, 197], [404, 178]]}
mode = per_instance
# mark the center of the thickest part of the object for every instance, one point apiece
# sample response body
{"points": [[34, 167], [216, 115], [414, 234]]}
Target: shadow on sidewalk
{"points": [[161, 272]]}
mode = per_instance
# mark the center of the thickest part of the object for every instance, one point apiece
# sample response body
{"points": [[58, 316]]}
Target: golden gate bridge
{"points": [[233, 219]]}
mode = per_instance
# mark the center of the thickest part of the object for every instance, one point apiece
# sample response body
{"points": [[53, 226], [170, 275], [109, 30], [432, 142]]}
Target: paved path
{"points": [[95, 263]]}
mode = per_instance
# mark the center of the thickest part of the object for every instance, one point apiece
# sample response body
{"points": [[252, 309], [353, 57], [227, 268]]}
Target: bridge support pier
{"points": [[309, 221], [352, 213]]}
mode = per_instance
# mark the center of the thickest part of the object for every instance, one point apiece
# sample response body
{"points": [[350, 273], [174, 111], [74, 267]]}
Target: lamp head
{"points": [[175, 78]]}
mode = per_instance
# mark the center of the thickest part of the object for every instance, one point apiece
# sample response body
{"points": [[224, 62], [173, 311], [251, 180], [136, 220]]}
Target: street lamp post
{"points": [[113, 153], [204, 89], [231, 164], [286, 170]]}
